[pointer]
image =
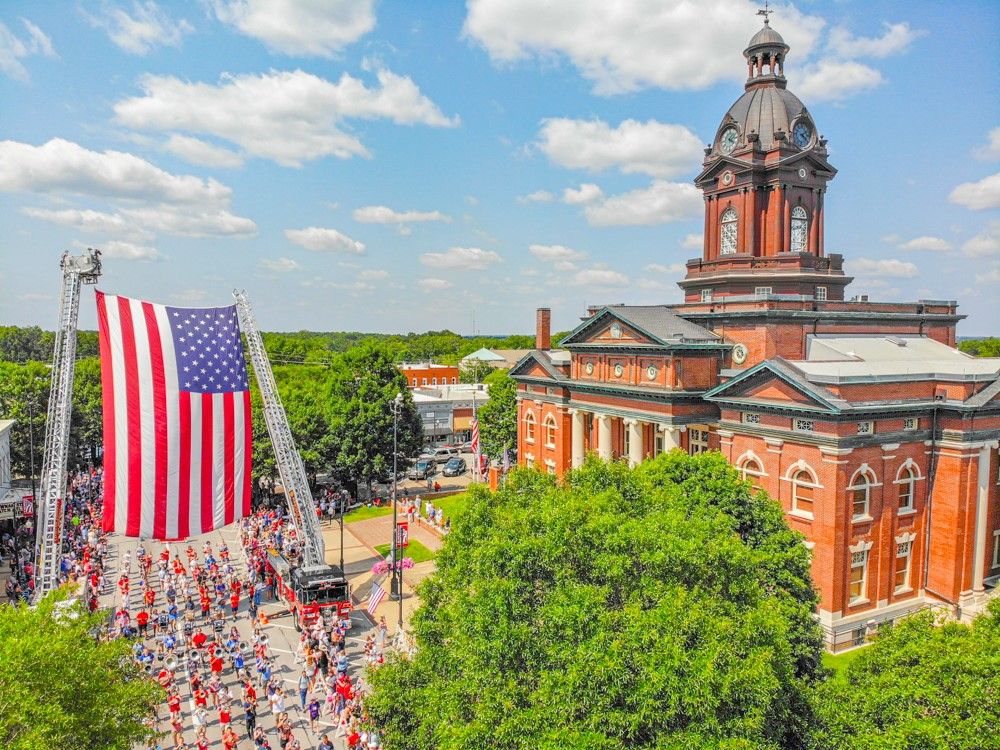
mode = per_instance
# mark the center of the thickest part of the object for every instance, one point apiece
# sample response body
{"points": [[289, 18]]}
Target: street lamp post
{"points": [[31, 447], [396, 581]]}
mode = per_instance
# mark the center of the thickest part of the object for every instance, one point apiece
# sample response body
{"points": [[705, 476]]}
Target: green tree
{"points": [[498, 416], [60, 687], [88, 412], [618, 609], [24, 396], [919, 686], [366, 385], [988, 347]]}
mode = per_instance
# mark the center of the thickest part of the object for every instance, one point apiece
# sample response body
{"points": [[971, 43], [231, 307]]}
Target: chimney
{"points": [[543, 326]]}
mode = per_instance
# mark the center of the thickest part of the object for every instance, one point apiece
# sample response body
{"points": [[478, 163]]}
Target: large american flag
{"points": [[176, 418]]}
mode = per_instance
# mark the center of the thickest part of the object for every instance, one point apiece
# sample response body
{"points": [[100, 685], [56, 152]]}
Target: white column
{"points": [[982, 506], [604, 436], [579, 424], [635, 452], [671, 437]]}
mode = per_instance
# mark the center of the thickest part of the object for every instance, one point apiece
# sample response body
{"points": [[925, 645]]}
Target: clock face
{"points": [[589, 368], [739, 354], [802, 134], [619, 370], [651, 372], [728, 141], [802, 172], [727, 177]]}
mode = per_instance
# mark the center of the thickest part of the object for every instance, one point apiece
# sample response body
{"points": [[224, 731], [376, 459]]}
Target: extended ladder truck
{"points": [[313, 585], [76, 271]]}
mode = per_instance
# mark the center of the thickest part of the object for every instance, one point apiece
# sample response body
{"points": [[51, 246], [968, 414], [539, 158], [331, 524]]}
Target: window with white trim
{"points": [[866, 428], [697, 441], [751, 417], [859, 494], [911, 423], [803, 496], [821, 294], [627, 440], [706, 295], [762, 291], [752, 471], [799, 230], [996, 549], [549, 431], [728, 234], [529, 427], [434, 381], [904, 553], [858, 586], [803, 425], [424, 381], [906, 479]]}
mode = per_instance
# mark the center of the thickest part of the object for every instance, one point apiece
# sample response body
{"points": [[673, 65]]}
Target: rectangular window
{"points": [[425, 380], [859, 575], [658, 443], [750, 417], [903, 555], [762, 291], [911, 423], [706, 295], [434, 381], [628, 441], [697, 441], [821, 294], [996, 548], [803, 425], [866, 428]]}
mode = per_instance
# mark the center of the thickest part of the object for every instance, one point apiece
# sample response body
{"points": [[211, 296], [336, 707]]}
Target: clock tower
{"points": [[764, 179]]}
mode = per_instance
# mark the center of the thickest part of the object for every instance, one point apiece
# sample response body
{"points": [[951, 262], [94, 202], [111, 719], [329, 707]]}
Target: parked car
{"points": [[423, 468], [455, 467], [466, 447], [444, 452]]}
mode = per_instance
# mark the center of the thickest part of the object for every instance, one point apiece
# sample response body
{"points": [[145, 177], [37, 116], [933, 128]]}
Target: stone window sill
{"points": [[860, 601], [903, 591], [906, 511], [529, 440], [862, 519], [804, 515]]}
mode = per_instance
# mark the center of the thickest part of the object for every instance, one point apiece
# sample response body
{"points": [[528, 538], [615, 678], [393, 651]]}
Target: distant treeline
{"points": [[988, 347]]}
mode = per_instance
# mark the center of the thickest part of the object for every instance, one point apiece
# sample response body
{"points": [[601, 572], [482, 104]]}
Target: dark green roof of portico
{"points": [[658, 322]]}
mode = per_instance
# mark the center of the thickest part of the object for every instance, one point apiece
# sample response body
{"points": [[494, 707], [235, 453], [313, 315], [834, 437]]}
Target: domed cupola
{"points": [[767, 116]]}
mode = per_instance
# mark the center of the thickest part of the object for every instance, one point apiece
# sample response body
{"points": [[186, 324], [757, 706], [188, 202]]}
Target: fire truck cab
{"points": [[308, 592]]}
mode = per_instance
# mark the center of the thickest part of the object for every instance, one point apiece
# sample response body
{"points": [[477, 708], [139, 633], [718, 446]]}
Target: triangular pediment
{"points": [[607, 327], [535, 366], [774, 383]]}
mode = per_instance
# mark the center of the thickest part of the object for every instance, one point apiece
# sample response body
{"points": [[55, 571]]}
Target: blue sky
{"points": [[404, 166]]}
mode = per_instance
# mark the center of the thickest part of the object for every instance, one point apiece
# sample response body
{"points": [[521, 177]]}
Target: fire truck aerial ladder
{"points": [[313, 582], [76, 271]]}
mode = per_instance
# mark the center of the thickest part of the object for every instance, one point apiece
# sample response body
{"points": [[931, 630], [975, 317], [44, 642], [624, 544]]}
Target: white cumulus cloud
{"points": [[980, 195], [693, 242], [85, 220], [140, 30], [654, 148], [833, 80], [461, 258], [539, 196], [318, 28], [279, 265], [120, 250], [632, 44], [659, 203], [586, 193], [991, 151], [320, 239], [887, 267], [933, 244], [556, 253], [599, 275], [400, 219], [61, 166], [434, 285], [986, 243], [197, 151], [288, 117], [13, 49], [897, 38]]}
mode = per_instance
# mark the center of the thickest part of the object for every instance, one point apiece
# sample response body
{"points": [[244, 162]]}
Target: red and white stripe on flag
{"points": [[177, 434], [475, 436], [375, 598]]}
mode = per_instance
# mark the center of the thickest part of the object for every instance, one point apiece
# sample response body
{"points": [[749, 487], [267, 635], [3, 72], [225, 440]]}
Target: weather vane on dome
{"points": [[765, 11]]}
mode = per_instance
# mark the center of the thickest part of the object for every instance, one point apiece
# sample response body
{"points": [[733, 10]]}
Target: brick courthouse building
{"points": [[874, 433]]}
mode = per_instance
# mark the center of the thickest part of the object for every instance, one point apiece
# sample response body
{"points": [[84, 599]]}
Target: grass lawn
{"points": [[838, 662], [365, 512], [416, 550], [451, 504]]}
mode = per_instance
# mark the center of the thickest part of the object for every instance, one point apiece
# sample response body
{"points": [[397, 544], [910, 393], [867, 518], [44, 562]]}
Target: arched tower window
{"points": [[800, 230], [728, 233], [529, 427]]}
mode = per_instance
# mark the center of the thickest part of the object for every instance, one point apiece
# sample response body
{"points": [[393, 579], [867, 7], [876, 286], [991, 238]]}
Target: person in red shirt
{"points": [[249, 693], [149, 597], [200, 698], [174, 705], [142, 621], [225, 719], [216, 664], [198, 639], [229, 739], [234, 603]]}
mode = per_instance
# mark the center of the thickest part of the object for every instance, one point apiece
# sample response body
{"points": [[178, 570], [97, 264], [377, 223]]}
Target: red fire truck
{"points": [[307, 593]]}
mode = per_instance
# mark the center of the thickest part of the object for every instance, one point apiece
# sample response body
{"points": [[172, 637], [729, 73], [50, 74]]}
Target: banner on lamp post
{"points": [[402, 534]]}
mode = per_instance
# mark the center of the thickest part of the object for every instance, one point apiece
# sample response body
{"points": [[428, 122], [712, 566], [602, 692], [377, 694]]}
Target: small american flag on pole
{"points": [[176, 418], [475, 435], [376, 597]]}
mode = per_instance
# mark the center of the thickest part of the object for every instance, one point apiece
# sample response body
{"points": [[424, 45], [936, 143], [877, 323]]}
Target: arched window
{"points": [[802, 492], [529, 427], [800, 230], [907, 481], [728, 233], [859, 493], [751, 470], [549, 428]]}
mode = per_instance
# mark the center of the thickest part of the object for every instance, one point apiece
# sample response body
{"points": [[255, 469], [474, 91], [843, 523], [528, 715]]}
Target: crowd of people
{"points": [[194, 614]]}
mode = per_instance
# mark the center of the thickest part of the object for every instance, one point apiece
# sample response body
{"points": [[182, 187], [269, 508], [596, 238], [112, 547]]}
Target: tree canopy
{"points": [[919, 686], [661, 607], [498, 416], [60, 687], [988, 347]]}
